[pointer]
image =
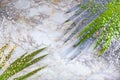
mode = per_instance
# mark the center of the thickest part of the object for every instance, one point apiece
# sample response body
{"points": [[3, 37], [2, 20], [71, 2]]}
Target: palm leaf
{"points": [[3, 61], [29, 74], [21, 63], [103, 20]]}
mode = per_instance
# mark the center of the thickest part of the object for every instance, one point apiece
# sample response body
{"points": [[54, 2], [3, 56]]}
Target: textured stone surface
{"points": [[31, 24]]}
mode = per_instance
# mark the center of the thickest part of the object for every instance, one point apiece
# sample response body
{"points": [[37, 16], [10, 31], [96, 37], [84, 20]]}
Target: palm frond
{"points": [[6, 58], [102, 24], [21, 63], [87, 11], [29, 74]]}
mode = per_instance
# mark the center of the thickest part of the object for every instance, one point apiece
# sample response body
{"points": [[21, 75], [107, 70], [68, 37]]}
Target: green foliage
{"points": [[104, 28], [20, 63], [29, 74]]}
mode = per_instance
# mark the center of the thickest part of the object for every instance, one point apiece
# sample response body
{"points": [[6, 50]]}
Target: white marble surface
{"points": [[32, 24]]}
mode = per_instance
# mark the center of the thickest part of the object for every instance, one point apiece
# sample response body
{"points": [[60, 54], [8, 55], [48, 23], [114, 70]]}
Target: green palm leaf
{"points": [[21, 63], [29, 74], [103, 27]]}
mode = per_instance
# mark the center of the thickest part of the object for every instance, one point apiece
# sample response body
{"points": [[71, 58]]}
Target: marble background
{"points": [[32, 24]]}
